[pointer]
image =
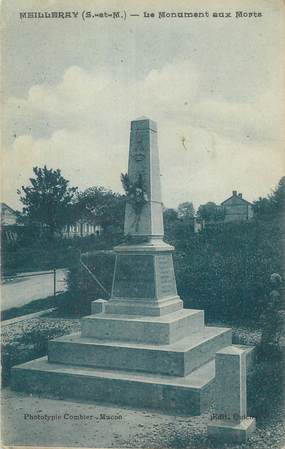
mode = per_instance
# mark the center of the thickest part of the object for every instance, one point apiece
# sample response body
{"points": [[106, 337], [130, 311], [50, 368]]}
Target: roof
{"points": [[5, 206], [239, 198]]}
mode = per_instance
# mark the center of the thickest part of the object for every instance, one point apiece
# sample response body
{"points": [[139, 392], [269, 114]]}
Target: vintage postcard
{"points": [[142, 224]]}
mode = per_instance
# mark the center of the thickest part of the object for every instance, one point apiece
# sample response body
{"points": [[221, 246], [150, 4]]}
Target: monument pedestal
{"points": [[144, 280], [142, 349]]}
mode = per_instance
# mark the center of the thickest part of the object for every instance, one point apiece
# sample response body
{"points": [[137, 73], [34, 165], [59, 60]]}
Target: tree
{"points": [[262, 207], [176, 229], [186, 211], [102, 206], [170, 216], [48, 200], [210, 212], [170, 221], [273, 204], [278, 196]]}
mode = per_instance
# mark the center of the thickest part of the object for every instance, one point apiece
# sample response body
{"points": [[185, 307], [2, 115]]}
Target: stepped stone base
{"points": [[144, 307], [163, 362], [191, 394], [145, 329], [176, 359]]}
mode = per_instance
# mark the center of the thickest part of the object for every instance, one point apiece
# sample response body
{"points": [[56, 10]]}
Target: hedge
{"points": [[224, 270]]}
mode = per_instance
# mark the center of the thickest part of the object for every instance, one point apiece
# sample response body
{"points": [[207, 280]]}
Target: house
{"points": [[9, 223], [8, 215], [81, 228], [236, 208], [233, 209], [10, 226]]}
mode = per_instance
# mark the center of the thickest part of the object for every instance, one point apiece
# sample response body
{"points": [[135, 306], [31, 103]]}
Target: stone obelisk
{"points": [[144, 279], [144, 165]]}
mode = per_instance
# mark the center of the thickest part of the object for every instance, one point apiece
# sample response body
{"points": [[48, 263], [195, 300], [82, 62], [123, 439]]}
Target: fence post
{"points": [[230, 422], [54, 282]]}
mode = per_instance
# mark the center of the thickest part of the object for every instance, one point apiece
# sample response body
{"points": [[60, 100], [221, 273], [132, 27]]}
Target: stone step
{"points": [[159, 330], [142, 307], [190, 395], [177, 359]]}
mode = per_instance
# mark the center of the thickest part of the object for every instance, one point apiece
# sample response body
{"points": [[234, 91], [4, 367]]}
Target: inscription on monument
{"points": [[134, 277], [138, 152], [166, 285]]}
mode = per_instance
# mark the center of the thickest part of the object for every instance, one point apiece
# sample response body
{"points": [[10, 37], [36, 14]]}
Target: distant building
{"points": [[233, 209], [10, 226], [9, 223], [236, 208], [81, 229], [8, 215]]}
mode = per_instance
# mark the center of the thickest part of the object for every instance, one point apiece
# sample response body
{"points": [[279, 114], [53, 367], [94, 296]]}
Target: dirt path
{"points": [[23, 290], [53, 422]]}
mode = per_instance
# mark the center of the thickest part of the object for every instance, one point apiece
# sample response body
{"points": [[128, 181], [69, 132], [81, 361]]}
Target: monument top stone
{"points": [[143, 123]]}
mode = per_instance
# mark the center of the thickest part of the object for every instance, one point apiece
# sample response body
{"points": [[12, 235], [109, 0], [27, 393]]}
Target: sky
{"points": [[215, 87]]}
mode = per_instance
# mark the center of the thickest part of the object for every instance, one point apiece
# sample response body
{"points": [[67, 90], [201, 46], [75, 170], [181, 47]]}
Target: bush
{"points": [[266, 386], [226, 270], [17, 259], [83, 288]]}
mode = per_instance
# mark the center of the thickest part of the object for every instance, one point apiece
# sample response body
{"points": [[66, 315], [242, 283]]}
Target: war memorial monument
{"points": [[141, 348]]}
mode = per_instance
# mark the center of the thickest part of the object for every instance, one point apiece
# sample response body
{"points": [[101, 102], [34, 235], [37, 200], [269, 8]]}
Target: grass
{"points": [[35, 306], [28, 340]]}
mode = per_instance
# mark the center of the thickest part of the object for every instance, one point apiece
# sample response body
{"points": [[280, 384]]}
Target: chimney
{"points": [[240, 195], [234, 193]]}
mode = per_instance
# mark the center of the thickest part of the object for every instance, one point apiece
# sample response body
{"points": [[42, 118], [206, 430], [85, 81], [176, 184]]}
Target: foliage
{"points": [[48, 200], [37, 256], [266, 387], [223, 270], [83, 288], [185, 211], [278, 196], [136, 194], [170, 220], [34, 250], [226, 270], [175, 229], [262, 207], [103, 207], [273, 204], [210, 212]]}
